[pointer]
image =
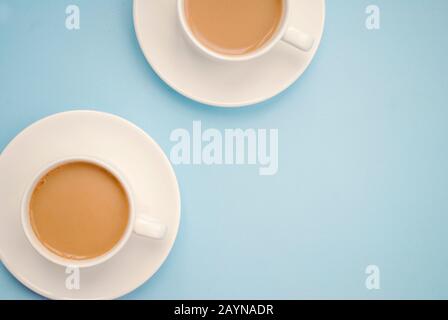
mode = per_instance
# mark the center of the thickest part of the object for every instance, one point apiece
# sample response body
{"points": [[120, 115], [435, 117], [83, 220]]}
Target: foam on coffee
{"points": [[79, 210], [234, 27]]}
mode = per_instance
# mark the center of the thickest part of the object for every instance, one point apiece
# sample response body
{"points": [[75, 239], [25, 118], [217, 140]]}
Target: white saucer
{"points": [[125, 146], [215, 83]]}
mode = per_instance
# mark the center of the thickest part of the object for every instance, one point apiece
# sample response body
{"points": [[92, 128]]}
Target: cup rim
{"points": [[230, 58], [51, 256]]}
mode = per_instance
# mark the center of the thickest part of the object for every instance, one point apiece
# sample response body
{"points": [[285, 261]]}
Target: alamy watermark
{"points": [[230, 147], [373, 20], [373, 277], [73, 17], [73, 280]]}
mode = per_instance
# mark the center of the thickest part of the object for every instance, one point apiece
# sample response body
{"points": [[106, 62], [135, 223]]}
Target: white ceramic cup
{"points": [[140, 223], [286, 33]]}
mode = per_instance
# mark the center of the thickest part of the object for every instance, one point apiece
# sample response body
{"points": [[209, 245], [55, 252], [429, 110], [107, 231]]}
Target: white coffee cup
{"points": [[140, 223], [295, 37]]}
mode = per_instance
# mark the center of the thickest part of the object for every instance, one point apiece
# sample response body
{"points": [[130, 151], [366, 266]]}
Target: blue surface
{"points": [[363, 158]]}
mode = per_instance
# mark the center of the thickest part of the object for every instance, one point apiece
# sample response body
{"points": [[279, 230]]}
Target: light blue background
{"points": [[363, 158]]}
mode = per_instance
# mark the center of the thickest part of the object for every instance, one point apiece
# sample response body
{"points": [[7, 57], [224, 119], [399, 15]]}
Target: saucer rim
{"points": [[43, 292], [210, 103]]}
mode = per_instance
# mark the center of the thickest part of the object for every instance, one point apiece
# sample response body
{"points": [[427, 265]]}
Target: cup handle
{"points": [[148, 227], [298, 39]]}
